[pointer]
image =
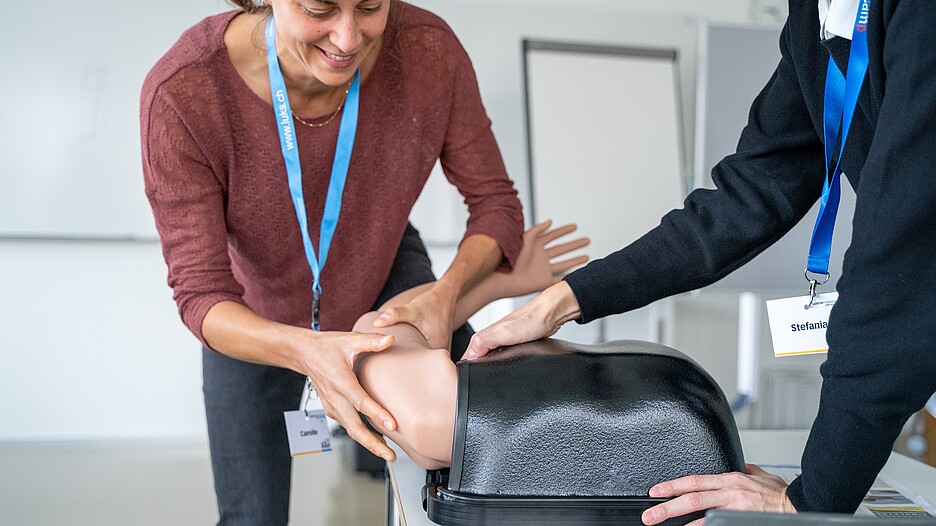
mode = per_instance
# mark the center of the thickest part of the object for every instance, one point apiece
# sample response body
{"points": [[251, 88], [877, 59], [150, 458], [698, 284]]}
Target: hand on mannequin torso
{"points": [[416, 383]]}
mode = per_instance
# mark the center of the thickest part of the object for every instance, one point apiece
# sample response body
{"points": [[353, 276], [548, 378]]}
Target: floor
{"points": [[142, 484]]}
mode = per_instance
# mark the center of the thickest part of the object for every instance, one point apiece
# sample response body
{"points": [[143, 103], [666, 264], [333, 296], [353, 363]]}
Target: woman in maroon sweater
{"points": [[216, 180]]}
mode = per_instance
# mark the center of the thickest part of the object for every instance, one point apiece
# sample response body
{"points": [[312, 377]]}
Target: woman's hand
{"points": [[431, 312], [755, 490], [536, 267], [537, 319], [329, 361], [325, 357], [535, 270]]}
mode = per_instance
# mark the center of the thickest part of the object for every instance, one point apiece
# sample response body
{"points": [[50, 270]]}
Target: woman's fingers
{"points": [[556, 233], [684, 504], [345, 402], [754, 469], [391, 316], [373, 443], [565, 248], [352, 390], [351, 400], [755, 490], [561, 267], [366, 405], [512, 329], [693, 493], [342, 394], [687, 484]]}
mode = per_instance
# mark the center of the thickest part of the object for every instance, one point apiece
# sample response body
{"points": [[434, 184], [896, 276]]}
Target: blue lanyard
{"points": [[339, 173], [841, 99]]}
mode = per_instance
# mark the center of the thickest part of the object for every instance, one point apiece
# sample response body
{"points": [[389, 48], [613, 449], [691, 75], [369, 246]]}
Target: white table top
{"points": [[760, 447]]}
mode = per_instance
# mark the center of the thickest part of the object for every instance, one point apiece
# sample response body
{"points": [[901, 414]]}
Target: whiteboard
{"points": [[735, 62], [70, 162], [605, 138]]}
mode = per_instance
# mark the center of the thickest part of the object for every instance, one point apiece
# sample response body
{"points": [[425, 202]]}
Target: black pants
{"points": [[244, 405]]}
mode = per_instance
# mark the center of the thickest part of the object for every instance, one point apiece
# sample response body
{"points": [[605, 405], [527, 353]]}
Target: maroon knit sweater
{"points": [[216, 180]]}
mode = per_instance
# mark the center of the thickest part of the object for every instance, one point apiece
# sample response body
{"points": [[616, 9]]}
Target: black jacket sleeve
{"points": [[763, 190], [881, 365]]}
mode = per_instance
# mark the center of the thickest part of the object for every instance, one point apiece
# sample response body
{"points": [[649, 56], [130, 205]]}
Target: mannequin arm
{"points": [[417, 384]]}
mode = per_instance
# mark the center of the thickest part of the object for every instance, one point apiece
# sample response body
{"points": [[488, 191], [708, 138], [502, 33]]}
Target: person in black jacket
{"points": [[881, 364]]}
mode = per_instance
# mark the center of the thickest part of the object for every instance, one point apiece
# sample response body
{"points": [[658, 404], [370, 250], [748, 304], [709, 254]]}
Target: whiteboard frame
{"points": [[654, 317], [669, 54]]}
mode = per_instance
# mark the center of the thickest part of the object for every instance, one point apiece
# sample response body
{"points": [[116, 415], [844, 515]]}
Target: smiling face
{"points": [[327, 40]]}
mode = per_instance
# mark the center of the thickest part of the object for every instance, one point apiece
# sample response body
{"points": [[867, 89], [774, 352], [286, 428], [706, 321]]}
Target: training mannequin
{"points": [[417, 384]]}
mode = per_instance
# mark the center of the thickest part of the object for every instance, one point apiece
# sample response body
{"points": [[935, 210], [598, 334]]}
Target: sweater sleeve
{"points": [[187, 199], [763, 190], [881, 365], [472, 162]]}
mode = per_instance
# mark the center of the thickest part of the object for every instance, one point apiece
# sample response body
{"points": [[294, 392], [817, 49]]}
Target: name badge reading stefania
{"points": [[795, 330]]}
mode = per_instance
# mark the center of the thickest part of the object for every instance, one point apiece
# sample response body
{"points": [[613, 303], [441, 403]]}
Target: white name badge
{"points": [[797, 330], [307, 427], [307, 431]]}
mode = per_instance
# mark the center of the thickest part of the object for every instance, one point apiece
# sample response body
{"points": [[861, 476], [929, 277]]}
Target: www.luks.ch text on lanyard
{"points": [[339, 172], [841, 99]]}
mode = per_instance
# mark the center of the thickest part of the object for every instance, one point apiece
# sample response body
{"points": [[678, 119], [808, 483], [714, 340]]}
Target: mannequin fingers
{"points": [[562, 266], [541, 227], [534, 232], [556, 233], [565, 248]]}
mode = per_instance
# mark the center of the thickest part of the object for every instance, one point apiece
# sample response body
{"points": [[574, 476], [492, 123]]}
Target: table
{"points": [[406, 479]]}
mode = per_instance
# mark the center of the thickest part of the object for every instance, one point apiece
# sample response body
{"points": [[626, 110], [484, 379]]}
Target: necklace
{"points": [[330, 118]]}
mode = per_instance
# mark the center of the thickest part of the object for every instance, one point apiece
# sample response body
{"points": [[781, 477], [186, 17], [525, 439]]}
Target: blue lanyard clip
{"points": [[813, 283]]}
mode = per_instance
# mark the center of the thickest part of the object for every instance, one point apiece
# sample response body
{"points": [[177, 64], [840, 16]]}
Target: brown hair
{"points": [[250, 6]]}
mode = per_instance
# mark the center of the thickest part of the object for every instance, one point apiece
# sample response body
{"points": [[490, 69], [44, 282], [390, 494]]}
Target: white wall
{"points": [[91, 345], [491, 31]]}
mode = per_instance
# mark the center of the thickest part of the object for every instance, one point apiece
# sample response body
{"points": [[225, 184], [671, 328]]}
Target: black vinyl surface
{"points": [[455, 509], [552, 418]]}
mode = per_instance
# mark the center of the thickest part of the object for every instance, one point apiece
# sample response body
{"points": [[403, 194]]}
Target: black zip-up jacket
{"points": [[881, 365]]}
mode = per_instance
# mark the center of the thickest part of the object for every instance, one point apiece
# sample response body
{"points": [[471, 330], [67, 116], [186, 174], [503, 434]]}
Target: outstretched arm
{"points": [[417, 383]]}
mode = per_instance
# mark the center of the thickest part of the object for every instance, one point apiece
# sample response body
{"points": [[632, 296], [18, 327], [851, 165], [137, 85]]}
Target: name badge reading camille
{"points": [[307, 431], [796, 330], [307, 427]]}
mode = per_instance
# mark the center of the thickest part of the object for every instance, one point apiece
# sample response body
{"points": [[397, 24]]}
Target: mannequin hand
{"points": [[329, 362], [536, 268], [537, 319], [431, 312], [755, 490]]}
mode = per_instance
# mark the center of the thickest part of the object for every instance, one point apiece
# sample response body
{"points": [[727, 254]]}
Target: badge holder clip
{"points": [[813, 283], [307, 427]]}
